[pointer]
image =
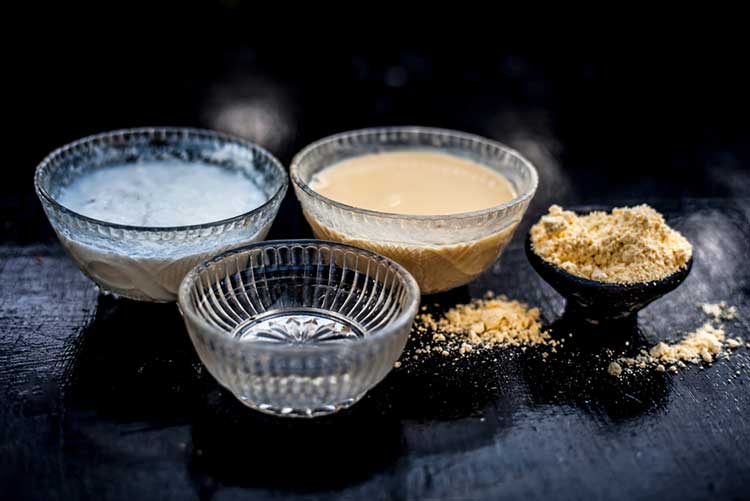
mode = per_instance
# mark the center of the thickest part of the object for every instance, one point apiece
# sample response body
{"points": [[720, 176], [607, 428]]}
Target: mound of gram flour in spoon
{"points": [[628, 245]]}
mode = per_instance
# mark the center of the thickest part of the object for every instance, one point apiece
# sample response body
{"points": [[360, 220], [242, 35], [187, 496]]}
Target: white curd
{"points": [[162, 194], [157, 194]]}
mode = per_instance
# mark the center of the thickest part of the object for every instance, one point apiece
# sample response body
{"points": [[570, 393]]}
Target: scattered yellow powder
{"points": [[719, 311], [704, 345], [632, 244]]}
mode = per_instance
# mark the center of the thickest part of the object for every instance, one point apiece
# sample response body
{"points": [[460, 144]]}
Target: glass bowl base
{"points": [[301, 412], [296, 326]]}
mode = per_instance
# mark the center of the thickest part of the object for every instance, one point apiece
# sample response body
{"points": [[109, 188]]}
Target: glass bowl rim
{"points": [[416, 130], [188, 132], [411, 309]]}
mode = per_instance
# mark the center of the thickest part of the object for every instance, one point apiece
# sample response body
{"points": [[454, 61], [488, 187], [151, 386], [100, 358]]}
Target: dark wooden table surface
{"points": [[106, 399]]}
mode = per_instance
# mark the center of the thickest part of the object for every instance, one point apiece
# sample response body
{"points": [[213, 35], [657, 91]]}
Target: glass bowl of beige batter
{"points": [[444, 204]]}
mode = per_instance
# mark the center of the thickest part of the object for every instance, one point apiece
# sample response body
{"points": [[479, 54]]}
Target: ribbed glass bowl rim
{"points": [[187, 132], [412, 290], [299, 158]]}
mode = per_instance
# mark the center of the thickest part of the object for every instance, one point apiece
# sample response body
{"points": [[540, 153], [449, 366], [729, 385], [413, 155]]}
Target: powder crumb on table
{"points": [[628, 245], [719, 311], [614, 369], [733, 344]]}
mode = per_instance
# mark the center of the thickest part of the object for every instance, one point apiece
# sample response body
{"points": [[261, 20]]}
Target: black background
{"points": [[106, 399]]}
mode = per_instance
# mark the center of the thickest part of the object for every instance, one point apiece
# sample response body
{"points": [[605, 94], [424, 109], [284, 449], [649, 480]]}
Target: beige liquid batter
{"points": [[436, 268], [417, 183]]}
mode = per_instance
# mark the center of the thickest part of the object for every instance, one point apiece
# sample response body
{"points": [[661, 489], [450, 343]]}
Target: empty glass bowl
{"points": [[148, 263], [301, 327], [442, 252]]}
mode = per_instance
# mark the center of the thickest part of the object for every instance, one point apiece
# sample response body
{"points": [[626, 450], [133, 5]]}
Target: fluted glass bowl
{"points": [[299, 328], [442, 252], [148, 263]]}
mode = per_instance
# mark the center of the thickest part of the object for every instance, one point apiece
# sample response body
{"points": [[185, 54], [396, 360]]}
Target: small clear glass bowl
{"points": [[148, 263], [442, 252], [299, 328]]}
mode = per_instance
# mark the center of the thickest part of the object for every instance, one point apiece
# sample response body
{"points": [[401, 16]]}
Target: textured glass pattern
{"points": [[299, 328]]}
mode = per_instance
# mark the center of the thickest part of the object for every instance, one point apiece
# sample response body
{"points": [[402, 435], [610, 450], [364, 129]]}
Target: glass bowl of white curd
{"points": [[136, 209]]}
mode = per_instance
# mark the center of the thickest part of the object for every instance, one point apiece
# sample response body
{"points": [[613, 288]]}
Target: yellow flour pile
{"points": [[632, 244], [483, 323], [493, 321]]}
